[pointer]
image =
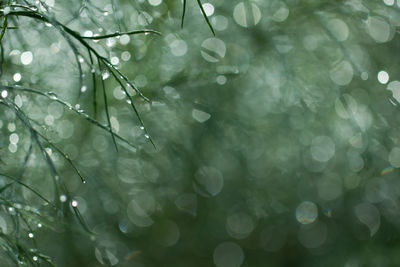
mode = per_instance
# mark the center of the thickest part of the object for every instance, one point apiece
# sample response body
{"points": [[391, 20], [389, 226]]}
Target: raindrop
{"points": [[114, 60], [11, 127], [139, 210], [74, 203], [394, 86], [155, 2], [322, 148], [394, 157], [125, 56], [11, 210], [369, 215], [4, 93], [383, 77], [219, 22], [14, 138], [111, 42], [187, 203], [221, 79], [52, 95], [306, 212], [239, 225], [26, 57], [389, 2], [378, 29], [247, 14], [208, 181], [63, 198], [178, 48], [346, 106], [80, 59], [208, 9], [342, 73], [200, 116], [213, 50], [17, 77], [105, 75], [88, 34], [364, 75], [124, 39], [6, 10], [281, 12], [339, 29], [105, 255]]}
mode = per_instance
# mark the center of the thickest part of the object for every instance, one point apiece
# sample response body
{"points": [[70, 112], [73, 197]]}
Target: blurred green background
{"points": [[277, 140]]}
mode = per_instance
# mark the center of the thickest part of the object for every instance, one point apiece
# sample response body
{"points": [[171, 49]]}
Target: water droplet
{"points": [[208, 9], [17, 77], [105, 75], [383, 77], [369, 215], [200, 115], [114, 60], [378, 28], [52, 95], [247, 15], [125, 56], [339, 29], [208, 181], [74, 203], [306, 212], [6, 10], [26, 57], [63, 198], [239, 225], [178, 48], [213, 50], [342, 73], [4, 93], [187, 203], [322, 148]]}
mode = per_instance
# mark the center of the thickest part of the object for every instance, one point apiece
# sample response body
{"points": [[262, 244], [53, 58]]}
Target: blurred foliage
{"points": [[273, 143]]}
